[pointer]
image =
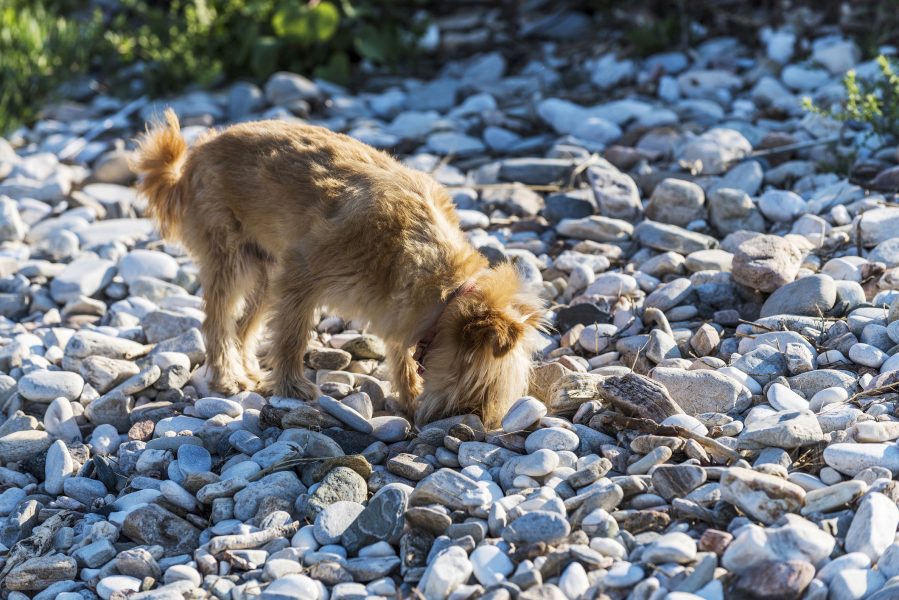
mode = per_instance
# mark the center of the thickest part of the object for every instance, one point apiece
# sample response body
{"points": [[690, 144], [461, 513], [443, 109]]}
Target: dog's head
{"points": [[480, 359]]}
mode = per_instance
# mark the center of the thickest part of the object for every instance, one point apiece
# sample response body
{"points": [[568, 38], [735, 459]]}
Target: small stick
{"points": [[217, 545]]}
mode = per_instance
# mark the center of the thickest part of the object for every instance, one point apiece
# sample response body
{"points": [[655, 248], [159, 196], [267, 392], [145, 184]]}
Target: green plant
{"points": [[171, 45], [205, 41], [872, 103], [38, 52]]}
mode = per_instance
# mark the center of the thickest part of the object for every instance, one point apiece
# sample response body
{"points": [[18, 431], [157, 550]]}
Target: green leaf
{"points": [[379, 45], [336, 70], [264, 58], [305, 24]]}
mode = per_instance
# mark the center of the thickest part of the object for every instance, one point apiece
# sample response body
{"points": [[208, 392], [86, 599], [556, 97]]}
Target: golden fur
{"points": [[285, 218]]}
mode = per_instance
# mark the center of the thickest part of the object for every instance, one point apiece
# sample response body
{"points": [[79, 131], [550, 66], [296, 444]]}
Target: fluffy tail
{"points": [[158, 159]]}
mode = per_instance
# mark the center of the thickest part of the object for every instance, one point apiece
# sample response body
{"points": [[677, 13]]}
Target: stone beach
{"points": [[713, 413]]}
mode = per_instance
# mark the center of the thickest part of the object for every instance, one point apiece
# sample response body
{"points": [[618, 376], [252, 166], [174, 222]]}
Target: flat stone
{"points": [[702, 391], [82, 277], [283, 484], [672, 238], [774, 580], [851, 459], [39, 572], [676, 481], [45, 386], [675, 547], [382, 520], [333, 520], [792, 429], [763, 497], [153, 525], [811, 296], [795, 539], [537, 526]]}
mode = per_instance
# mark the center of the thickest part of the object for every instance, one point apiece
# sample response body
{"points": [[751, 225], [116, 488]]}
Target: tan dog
{"points": [[286, 218]]}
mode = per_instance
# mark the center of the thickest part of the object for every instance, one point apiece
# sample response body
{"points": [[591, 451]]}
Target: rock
{"points": [[675, 547], [782, 205], [791, 429], [697, 392], [763, 497], [774, 580], [46, 386], [811, 296], [795, 539], [284, 88], [490, 564], [851, 459], [39, 572], [20, 445], [766, 263], [676, 202], [153, 525], [676, 481], [523, 413], [638, 396], [733, 210], [671, 238], [284, 485], [715, 150], [878, 225], [340, 484], [873, 526], [147, 263], [334, 519], [82, 277], [382, 519], [57, 467], [551, 438], [449, 569], [537, 526], [616, 193]]}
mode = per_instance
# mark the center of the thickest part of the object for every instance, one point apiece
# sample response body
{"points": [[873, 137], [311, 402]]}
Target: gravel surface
{"points": [[714, 415]]}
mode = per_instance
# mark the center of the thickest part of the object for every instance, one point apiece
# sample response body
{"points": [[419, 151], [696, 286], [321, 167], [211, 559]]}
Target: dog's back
{"points": [[277, 182]]}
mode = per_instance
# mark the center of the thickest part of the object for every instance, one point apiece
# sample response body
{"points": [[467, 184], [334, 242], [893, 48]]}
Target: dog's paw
{"points": [[302, 389], [229, 386]]}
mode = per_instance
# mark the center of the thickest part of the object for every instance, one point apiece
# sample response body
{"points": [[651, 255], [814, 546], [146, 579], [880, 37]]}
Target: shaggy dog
{"points": [[283, 219]]}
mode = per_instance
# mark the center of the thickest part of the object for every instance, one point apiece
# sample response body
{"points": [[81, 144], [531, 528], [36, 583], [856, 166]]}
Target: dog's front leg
{"points": [[406, 380], [293, 319]]}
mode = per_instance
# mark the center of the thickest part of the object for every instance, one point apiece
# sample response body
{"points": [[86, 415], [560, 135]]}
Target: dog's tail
{"points": [[159, 159]]}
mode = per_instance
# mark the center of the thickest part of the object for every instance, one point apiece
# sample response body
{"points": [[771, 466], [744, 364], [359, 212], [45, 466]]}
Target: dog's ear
{"points": [[493, 330]]}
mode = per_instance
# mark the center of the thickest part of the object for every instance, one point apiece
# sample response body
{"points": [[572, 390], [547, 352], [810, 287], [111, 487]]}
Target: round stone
{"points": [[552, 438]]}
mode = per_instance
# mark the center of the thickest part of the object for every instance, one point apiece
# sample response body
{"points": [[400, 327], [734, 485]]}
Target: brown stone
{"points": [[639, 396], [774, 580], [715, 540]]}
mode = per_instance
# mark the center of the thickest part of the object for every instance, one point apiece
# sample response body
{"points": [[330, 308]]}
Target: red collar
{"points": [[424, 344]]}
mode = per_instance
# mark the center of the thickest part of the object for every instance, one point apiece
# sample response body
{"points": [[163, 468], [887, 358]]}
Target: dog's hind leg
{"points": [[404, 372], [291, 321], [223, 276]]}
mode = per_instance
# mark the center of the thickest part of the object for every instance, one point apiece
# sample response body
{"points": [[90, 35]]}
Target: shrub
{"points": [[870, 103], [175, 44], [38, 52], [204, 41]]}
